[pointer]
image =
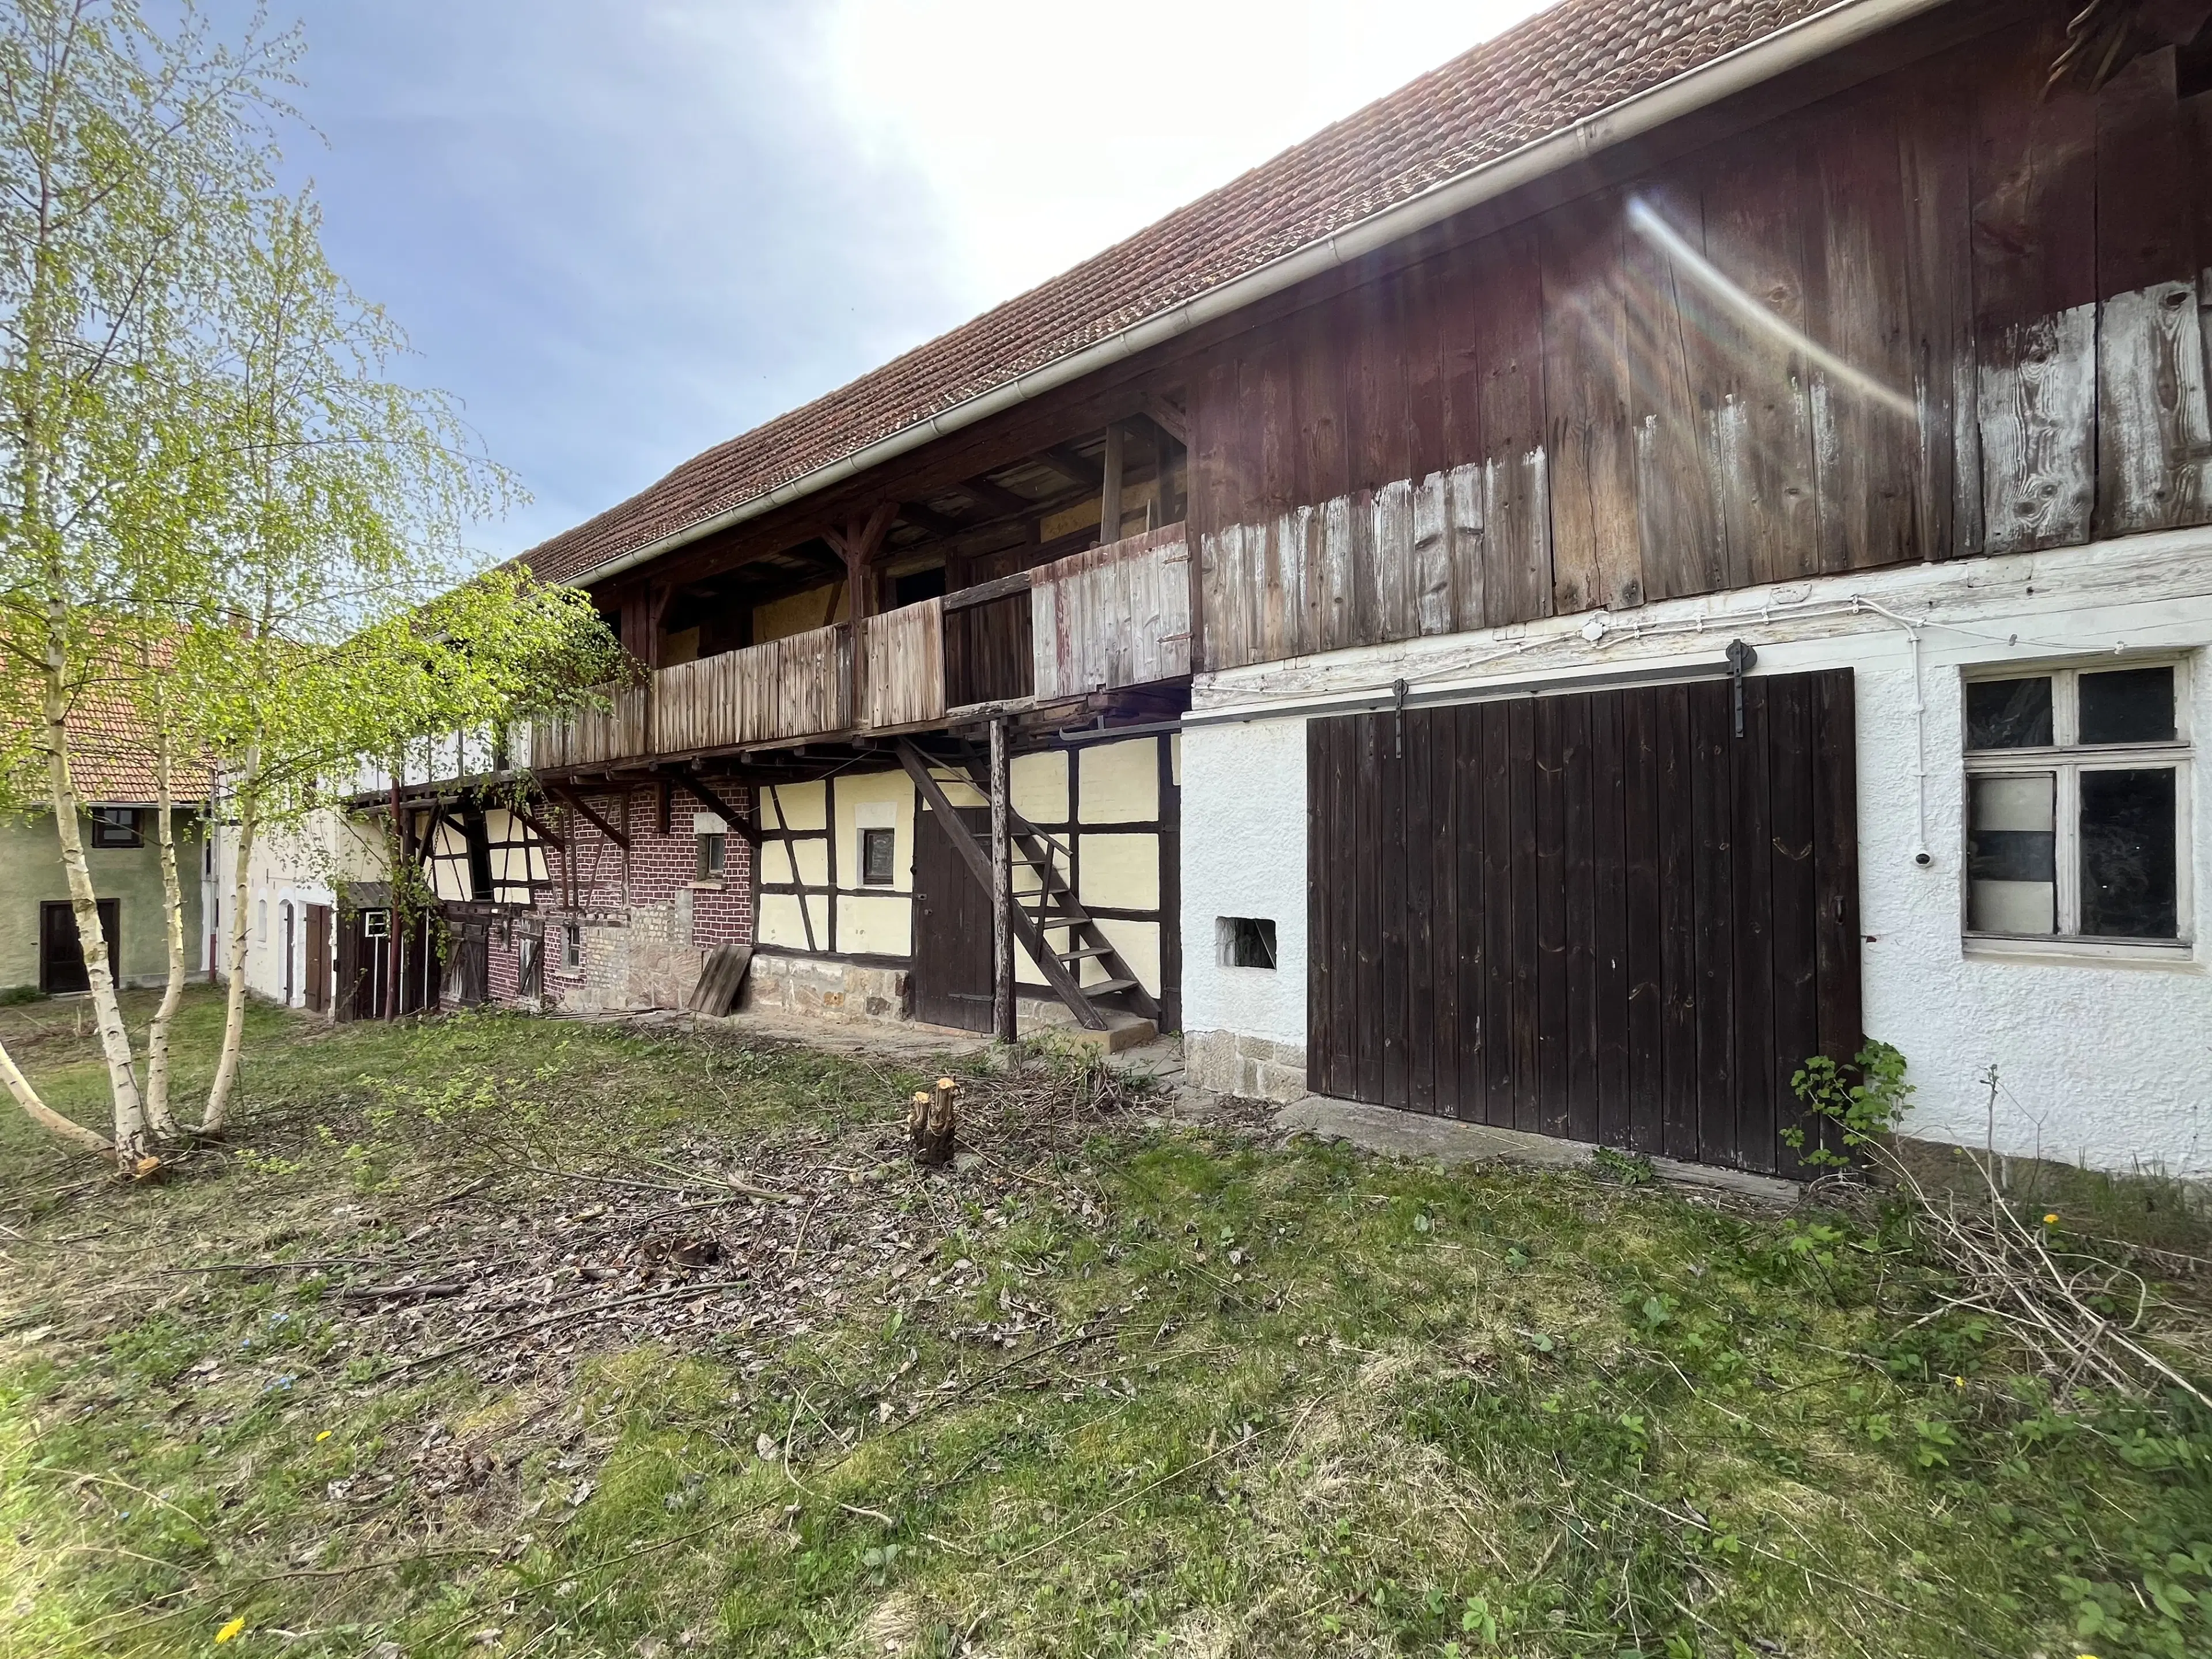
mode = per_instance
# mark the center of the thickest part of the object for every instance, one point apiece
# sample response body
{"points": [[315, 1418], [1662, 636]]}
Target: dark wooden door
{"points": [[1605, 917], [318, 958], [364, 963], [61, 953], [951, 962], [468, 964]]}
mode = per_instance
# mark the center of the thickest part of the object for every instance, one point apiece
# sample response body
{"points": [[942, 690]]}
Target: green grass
{"points": [[1196, 1393]]}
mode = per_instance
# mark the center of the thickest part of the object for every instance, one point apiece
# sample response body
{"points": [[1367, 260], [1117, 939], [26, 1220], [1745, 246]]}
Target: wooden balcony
{"points": [[1116, 616]]}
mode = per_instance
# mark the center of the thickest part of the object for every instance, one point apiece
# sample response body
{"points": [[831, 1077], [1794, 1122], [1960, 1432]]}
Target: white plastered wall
{"points": [[295, 866], [2108, 1063]]}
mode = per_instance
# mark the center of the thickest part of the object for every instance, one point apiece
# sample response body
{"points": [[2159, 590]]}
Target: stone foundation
{"points": [[828, 990], [1254, 1068]]}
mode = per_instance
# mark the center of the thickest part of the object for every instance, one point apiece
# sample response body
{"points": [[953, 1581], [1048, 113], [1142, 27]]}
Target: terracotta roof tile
{"points": [[1578, 58]]}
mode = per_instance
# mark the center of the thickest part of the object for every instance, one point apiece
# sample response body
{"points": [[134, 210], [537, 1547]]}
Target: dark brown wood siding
{"points": [[1941, 314], [1605, 916]]}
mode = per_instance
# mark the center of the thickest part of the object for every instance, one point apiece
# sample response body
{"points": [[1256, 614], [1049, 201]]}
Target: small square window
{"points": [[878, 849], [711, 850], [116, 826], [376, 924], [1245, 941]]}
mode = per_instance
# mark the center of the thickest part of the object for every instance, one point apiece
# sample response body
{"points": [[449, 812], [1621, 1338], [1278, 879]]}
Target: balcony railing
{"points": [[1116, 616], [796, 687]]}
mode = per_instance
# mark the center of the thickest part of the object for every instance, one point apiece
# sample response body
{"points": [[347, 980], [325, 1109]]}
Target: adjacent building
{"points": [[114, 772]]}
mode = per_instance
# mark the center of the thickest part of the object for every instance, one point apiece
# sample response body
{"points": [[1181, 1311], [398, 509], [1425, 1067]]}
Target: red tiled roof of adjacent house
{"points": [[1578, 58], [111, 759]]}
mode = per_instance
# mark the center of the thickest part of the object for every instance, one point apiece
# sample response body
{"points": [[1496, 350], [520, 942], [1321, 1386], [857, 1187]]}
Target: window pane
{"points": [[2008, 713], [2012, 857], [2128, 705], [2128, 854], [876, 857]]}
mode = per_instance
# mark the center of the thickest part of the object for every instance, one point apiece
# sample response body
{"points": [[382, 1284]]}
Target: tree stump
{"points": [[932, 1123]]}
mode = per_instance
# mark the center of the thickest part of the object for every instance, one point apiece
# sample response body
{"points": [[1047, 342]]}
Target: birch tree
{"points": [[124, 155], [358, 621]]}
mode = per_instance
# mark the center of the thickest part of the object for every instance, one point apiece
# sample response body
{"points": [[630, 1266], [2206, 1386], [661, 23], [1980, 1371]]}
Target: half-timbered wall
{"points": [[1940, 315], [1111, 808], [645, 918]]}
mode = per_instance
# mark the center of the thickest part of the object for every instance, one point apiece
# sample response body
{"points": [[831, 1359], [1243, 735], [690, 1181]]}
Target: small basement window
{"points": [[877, 848], [116, 826], [1246, 941], [2077, 809], [712, 847]]}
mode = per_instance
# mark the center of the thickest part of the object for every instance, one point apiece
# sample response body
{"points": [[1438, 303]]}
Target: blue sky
{"points": [[622, 230]]}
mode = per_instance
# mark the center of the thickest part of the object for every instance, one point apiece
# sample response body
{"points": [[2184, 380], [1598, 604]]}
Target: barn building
{"points": [[1673, 542]]}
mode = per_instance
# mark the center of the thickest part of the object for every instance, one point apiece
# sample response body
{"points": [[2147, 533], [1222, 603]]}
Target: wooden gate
{"points": [[951, 961], [1604, 916]]}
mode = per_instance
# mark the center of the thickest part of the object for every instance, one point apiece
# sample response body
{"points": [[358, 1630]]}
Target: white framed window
{"points": [[572, 945], [711, 847], [2077, 821]]}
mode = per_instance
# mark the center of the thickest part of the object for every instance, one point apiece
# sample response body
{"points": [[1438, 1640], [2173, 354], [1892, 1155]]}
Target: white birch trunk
{"points": [[234, 1013], [159, 1118], [45, 1116], [130, 1139]]}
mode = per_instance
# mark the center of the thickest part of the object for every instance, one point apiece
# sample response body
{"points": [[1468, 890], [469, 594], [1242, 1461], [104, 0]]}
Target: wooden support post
{"points": [[1110, 491], [394, 957], [856, 544], [1002, 926]]}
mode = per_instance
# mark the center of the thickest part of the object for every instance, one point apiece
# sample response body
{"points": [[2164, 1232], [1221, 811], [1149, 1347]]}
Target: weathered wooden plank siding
{"points": [[1939, 314], [905, 668], [1118, 615]]}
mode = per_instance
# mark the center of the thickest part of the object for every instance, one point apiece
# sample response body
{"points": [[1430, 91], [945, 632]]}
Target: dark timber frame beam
{"points": [[545, 831], [979, 861], [699, 790], [619, 836]]}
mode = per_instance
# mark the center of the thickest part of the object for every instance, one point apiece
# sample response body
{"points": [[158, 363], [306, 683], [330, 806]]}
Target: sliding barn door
{"points": [[1608, 917]]}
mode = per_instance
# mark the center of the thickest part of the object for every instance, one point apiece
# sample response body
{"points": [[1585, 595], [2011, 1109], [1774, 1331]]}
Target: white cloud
{"points": [[1049, 131]]}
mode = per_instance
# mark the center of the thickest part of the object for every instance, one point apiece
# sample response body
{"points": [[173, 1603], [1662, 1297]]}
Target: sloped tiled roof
{"points": [[1573, 61], [112, 758]]}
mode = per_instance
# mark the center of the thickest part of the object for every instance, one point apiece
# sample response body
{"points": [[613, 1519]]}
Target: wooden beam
{"points": [[1166, 416], [1089, 474], [700, 791], [1002, 935], [996, 496], [858, 543], [620, 837], [927, 518], [1109, 489], [979, 862], [545, 831], [1002, 587]]}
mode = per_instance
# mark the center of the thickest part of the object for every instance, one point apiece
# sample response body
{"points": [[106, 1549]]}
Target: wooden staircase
{"points": [[1049, 907]]}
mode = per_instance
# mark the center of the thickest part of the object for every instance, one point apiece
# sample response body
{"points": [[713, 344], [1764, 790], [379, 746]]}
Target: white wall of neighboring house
{"points": [[2107, 1062], [289, 870]]}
